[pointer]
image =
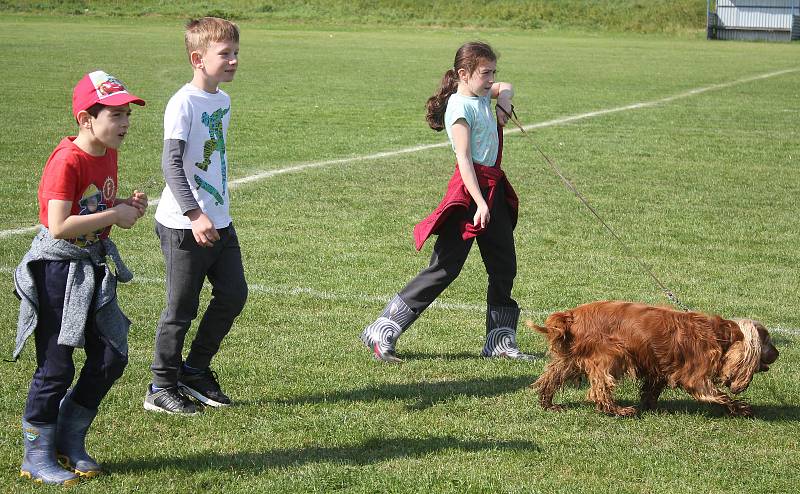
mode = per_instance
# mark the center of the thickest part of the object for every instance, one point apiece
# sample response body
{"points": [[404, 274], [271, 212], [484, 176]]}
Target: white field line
{"points": [[372, 299], [385, 154], [19, 231], [668, 99]]}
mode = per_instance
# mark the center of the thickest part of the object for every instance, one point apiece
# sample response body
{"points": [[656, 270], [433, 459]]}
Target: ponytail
{"points": [[467, 57], [437, 104]]}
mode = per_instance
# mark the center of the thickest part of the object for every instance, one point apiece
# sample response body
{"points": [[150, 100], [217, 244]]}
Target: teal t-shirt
{"points": [[477, 112]]}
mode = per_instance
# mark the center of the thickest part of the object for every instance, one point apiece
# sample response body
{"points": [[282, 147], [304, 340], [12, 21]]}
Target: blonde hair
{"points": [[200, 33]]}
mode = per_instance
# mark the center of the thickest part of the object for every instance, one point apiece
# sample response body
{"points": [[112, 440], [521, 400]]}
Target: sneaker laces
{"points": [[174, 397], [211, 377], [206, 377]]}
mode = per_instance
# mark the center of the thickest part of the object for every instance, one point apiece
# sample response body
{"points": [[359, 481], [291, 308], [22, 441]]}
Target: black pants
{"points": [[450, 252], [187, 266], [54, 366]]}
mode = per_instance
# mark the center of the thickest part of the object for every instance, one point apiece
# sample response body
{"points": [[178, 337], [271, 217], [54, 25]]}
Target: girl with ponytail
{"points": [[479, 204]]}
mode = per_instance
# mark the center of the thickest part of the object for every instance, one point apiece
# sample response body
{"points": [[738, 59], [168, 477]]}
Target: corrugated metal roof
{"points": [[754, 19], [756, 14]]}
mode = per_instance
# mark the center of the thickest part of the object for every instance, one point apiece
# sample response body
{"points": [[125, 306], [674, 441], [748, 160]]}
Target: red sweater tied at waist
{"points": [[457, 199]]}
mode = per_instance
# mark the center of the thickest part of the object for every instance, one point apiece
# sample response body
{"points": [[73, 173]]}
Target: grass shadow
{"points": [[538, 357], [371, 451], [439, 356], [421, 394], [769, 413]]}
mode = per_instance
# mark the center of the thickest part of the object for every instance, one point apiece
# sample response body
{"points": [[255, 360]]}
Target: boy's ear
{"points": [[196, 59], [84, 119]]}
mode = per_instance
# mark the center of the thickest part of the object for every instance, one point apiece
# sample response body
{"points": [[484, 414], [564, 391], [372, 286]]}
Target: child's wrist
{"points": [[114, 214], [505, 101], [193, 214]]}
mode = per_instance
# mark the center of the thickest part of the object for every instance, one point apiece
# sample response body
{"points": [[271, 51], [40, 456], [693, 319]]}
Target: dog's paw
{"points": [[625, 411], [741, 409]]}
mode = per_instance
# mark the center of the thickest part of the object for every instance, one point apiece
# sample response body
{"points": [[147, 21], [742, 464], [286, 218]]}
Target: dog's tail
{"points": [[557, 329], [536, 327]]}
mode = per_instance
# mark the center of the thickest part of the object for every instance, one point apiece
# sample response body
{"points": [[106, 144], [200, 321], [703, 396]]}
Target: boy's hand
{"points": [[137, 200], [202, 228], [126, 215]]}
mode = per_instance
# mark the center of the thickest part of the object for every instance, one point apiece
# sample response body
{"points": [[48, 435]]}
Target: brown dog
{"points": [[661, 346]]}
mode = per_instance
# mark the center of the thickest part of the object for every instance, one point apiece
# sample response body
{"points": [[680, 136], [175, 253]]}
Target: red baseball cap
{"points": [[100, 87]]}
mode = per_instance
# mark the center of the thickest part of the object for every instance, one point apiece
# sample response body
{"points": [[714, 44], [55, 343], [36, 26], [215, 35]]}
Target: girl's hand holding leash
{"points": [[503, 92], [503, 110]]}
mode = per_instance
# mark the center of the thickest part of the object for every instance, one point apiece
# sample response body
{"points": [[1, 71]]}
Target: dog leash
{"points": [[669, 294]]}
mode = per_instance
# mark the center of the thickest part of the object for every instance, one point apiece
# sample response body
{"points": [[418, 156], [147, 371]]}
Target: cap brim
{"points": [[119, 99]]}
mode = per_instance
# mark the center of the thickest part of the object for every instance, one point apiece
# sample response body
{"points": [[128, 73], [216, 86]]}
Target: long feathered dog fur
{"points": [[661, 346]]}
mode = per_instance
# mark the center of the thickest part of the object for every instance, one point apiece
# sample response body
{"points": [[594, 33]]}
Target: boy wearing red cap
{"points": [[67, 289], [194, 226]]}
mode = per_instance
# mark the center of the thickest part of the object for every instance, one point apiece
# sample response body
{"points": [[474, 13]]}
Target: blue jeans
{"points": [[54, 366], [187, 267]]}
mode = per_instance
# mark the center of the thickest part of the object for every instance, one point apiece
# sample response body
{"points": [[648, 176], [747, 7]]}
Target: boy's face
{"points": [[220, 60], [111, 125]]}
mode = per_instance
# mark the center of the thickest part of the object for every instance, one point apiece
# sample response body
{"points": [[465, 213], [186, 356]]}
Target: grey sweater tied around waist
{"points": [[109, 319]]}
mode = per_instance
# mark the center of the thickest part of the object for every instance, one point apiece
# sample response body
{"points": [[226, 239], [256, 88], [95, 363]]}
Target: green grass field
{"points": [[702, 186]]}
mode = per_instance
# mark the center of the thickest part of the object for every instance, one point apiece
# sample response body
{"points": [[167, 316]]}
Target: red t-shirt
{"points": [[89, 182]]}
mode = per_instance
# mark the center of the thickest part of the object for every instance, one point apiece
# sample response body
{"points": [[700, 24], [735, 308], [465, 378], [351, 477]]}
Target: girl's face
{"points": [[480, 81]]}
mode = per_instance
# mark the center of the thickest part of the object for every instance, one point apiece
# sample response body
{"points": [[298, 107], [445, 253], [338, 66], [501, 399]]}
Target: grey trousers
{"points": [[187, 267], [450, 253]]}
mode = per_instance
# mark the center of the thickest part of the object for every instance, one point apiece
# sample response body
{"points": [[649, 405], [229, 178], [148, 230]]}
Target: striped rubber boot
{"points": [[501, 333], [381, 336], [39, 463], [73, 424]]}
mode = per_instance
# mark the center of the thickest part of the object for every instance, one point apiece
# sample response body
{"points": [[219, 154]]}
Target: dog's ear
{"points": [[742, 359]]}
